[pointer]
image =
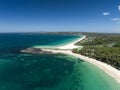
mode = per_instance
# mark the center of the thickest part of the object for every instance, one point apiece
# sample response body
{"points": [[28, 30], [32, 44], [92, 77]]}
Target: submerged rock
{"points": [[35, 51]]}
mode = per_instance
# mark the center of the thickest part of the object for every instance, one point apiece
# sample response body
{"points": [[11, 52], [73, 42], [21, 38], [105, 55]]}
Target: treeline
{"points": [[105, 48], [101, 40], [110, 55]]}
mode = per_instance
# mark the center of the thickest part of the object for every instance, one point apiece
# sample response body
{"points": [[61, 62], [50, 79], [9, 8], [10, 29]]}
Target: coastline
{"points": [[68, 46], [66, 49], [71, 45]]}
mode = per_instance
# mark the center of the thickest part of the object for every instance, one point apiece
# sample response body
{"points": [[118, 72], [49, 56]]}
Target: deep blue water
{"points": [[20, 71], [16, 40]]}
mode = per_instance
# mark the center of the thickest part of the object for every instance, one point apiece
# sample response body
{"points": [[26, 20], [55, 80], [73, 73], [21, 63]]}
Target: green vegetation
{"points": [[105, 48], [101, 40]]}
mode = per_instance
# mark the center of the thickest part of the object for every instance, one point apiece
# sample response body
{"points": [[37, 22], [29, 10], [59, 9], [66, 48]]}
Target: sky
{"points": [[60, 15]]}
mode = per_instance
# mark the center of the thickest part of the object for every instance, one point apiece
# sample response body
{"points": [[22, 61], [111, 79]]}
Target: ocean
{"points": [[21, 71]]}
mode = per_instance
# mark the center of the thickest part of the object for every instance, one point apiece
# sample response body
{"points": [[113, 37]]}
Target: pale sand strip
{"points": [[105, 67], [71, 45]]}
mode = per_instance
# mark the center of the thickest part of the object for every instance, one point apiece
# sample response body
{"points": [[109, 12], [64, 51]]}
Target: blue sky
{"points": [[59, 15]]}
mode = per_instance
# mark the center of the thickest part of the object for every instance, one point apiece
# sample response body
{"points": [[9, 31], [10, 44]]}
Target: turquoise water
{"points": [[59, 42], [20, 71]]}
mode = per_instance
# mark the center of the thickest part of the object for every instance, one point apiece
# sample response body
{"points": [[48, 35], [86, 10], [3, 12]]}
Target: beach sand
{"points": [[66, 49], [71, 45]]}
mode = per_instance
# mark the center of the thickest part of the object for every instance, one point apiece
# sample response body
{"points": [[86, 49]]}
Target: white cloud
{"points": [[117, 20], [119, 7], [106, 13]]}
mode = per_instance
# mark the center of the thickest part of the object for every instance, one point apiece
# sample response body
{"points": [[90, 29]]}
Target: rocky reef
{"points": [[35, 51]]}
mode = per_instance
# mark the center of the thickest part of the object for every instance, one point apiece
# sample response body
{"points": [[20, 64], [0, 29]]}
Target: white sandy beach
{"points": [[71, 45], [105, 67]]}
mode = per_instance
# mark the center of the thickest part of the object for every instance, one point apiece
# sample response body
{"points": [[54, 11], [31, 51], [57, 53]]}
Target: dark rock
{"points": [[35, 51]]}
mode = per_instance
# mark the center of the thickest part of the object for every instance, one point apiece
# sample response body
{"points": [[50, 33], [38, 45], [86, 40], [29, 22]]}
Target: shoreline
{"points": [[66, 49], [72, 44], [113, 72], [68, 46]]}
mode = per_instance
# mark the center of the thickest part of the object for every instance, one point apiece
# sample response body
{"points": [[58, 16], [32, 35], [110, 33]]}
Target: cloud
{"points": [[106, 13], [119, 7], [117, 20]]}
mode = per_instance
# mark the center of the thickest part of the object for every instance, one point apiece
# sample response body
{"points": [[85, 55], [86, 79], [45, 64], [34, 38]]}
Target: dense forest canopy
{"points": [[102, 47]]}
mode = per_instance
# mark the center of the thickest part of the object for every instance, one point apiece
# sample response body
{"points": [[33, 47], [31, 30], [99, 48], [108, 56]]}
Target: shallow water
{"points": [[19, 71]]}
